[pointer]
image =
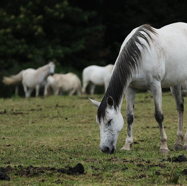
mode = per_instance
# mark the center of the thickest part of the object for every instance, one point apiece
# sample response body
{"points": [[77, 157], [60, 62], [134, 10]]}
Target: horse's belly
{"points": [[172, 81], [97, 81], [138, 84], [29, 80]]}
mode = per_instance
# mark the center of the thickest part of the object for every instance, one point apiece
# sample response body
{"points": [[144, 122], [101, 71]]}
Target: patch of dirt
{"points": [[32, 171], [17, 113], [58, 181], [62, 106], [13, 112], [112, 159], [141, 176], [179, 159], [39, 109], [184, 172], [3, 112], [3, 176], [78, 169]]}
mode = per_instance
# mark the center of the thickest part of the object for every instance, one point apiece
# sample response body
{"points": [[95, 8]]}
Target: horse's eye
{"points": [[109, 122]]}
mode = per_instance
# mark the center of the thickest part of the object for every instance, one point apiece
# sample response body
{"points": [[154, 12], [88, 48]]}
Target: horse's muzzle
{"points": [[51, 74], [108, 150]]}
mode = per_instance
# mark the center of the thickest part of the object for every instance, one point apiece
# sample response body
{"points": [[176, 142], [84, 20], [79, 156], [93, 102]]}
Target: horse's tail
{"points": [[12, 80]]}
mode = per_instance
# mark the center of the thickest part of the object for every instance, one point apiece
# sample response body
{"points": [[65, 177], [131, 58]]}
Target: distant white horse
{"points": [[31, 78], [150, 59], [63, 83], [97, 75]]}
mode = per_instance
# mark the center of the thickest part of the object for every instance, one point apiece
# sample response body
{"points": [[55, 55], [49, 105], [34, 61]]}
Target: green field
{"points": [[41, 135]]}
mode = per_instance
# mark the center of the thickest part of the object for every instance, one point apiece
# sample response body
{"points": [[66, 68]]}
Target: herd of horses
{"points": [[150, 59], [44, 77]]}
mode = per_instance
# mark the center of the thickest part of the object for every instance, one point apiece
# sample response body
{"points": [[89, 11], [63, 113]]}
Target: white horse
{"points": [[150, 59], [31, 78], [63, 82], [97, 75]]}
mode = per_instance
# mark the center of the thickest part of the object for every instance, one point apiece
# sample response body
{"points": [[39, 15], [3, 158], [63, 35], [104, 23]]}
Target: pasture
{"points": [[40, 135]]}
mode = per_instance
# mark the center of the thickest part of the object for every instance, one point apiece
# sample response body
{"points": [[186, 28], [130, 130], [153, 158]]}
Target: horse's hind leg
{"points": [[56, 91], [85, 84], [72, 92], [92, 89], [157, 96], [130, 98], [176, 91], [78, 90], [27, 91]]}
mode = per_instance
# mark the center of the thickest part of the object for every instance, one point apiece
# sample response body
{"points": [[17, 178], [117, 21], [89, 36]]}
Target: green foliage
{"points": [[33, 32]]}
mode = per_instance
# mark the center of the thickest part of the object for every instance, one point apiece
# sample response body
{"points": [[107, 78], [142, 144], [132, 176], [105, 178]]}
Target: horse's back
{"points": [[66, 81], [165, 57], [96, 74], [73, 79], [173, 39]]}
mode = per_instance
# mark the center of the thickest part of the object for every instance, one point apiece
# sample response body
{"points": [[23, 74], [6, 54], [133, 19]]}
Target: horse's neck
{"points": [[43, 71], [123, 94]]}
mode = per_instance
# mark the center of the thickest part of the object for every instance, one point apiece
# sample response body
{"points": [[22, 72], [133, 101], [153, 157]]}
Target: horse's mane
{"points": [[127, 62]]}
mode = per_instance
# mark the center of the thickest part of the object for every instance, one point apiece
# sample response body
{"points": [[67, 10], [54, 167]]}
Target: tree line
{"points": [[73, 33]]}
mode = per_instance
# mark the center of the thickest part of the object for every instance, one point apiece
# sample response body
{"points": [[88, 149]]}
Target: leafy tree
{"points": [[35, 32]]}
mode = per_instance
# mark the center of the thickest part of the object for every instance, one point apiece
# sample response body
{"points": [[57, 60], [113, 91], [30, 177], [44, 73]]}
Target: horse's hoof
{"points": [[164, 151], [177, 147], [185, 147], [122, 149]]}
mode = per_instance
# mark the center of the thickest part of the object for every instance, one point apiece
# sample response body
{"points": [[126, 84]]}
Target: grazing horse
{"points": [[63, 82], [97, 76], [150, 59], [31, 78]]}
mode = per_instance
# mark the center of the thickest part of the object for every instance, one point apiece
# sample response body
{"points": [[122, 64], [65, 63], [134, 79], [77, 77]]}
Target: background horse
{"points": [[63, 82], [150, 59], [31, 78], [97, 76]]}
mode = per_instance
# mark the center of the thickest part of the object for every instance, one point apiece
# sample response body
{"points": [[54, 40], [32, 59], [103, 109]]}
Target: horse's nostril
{"points": [[105, 149], [113, 150]]}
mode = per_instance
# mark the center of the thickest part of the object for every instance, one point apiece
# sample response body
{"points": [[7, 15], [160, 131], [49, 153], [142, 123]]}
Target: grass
{"points": [[61, 131]]}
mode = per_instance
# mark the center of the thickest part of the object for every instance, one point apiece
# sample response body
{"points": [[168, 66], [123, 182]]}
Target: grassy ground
{"points": [[58, 132]]}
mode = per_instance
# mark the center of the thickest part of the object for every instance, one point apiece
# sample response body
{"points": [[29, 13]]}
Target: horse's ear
{"points": [[110, 101], [96, 103]]}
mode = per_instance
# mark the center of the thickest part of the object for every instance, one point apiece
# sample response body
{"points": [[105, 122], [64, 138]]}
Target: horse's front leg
{"points": [[157, 96], [176, 91], [130, 99], [46, 89], [37, 90], [25, 89]]}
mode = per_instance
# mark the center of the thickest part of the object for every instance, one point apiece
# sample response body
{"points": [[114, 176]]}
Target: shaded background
{"points": [[73, 34]]}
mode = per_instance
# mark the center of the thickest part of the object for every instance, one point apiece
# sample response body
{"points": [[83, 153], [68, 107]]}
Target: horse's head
{"points": [[51, 66], [110, 126]]}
